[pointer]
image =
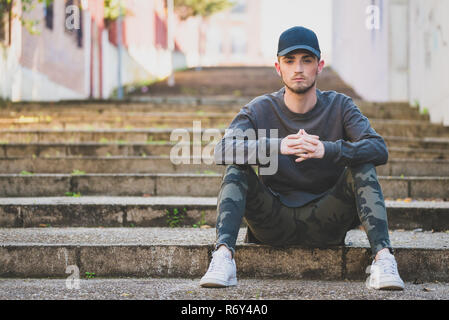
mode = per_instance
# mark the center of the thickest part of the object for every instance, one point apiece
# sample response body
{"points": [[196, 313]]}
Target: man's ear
{"points": [[278, 68], [320, 66]]}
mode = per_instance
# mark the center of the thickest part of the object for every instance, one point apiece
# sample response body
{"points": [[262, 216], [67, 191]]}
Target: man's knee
{"points": [[237, 173], [363, 169]]}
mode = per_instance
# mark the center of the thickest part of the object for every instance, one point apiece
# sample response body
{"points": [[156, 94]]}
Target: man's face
{"points": [[298, 70]]}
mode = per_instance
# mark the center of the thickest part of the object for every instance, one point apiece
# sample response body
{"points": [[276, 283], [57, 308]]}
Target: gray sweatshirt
{"points": [[347, 136]]}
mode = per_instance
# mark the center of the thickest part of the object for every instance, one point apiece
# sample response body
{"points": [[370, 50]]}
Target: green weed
{"points": [[73, 194], [202, 221], [77, 172], [175, 217]]}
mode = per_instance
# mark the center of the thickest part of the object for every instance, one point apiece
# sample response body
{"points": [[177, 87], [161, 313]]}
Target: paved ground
{"points": [[187, 236], [182, 289], [178, 201]]}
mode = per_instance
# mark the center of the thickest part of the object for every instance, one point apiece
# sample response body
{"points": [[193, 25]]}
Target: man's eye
{"points": [[307, 61]]}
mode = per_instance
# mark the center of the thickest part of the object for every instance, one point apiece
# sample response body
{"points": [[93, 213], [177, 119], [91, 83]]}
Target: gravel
{"points": [[189, 289]]}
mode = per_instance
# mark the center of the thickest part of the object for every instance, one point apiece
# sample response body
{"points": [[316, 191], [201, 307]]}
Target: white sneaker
{"points": [[384, 273], [222, 271]]}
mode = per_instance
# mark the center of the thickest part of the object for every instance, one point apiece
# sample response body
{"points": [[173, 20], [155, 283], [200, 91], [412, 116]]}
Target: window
{"points": [[48, 13], [2, 27], [5, 18]]}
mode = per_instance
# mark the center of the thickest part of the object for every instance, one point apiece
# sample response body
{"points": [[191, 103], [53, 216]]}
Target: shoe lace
{"points": [[388, 265], [218, 265]]}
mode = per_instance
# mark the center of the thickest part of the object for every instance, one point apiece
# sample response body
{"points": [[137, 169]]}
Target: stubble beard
{"points": [[298, 90]]}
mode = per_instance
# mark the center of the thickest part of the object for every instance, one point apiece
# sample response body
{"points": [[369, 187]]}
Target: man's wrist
{"points": [[330, 150]]}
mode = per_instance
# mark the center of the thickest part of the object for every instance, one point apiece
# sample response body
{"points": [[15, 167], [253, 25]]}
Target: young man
{"points": [[325, 183]]}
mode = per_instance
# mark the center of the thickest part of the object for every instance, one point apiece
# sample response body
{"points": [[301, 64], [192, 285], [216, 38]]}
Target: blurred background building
{"points": [[75, 64], [387, 50]]}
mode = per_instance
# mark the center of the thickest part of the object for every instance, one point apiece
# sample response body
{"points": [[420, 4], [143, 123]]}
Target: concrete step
{"points": [[181, 289], [408, 128], [404, 135], [440, 143], [181, 104], [162, 148], [84, 120], [417, 153], [145, 120], [186, 252], [55, 149], [174, 211], [123, 135], [181, 184], [163, 164]]}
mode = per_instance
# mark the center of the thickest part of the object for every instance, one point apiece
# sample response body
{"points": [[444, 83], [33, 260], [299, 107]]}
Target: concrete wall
{"points": [[371, 56], [429, 52], [131, 70], [404, 60]]}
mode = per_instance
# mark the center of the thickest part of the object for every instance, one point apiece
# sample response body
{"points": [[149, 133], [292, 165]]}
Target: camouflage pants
{"points": [[355, 199]]}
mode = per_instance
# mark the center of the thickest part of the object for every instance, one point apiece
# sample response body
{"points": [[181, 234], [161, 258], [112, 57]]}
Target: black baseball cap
{"points": [[298, 38]]}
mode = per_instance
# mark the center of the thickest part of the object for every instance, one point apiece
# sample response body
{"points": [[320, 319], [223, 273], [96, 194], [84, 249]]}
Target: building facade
{"points": [[75, 55]]}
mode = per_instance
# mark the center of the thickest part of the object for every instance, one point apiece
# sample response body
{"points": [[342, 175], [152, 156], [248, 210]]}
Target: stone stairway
{"points": [[91, 184]]}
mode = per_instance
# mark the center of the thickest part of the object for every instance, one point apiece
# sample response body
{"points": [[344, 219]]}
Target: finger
{"points": [[292, 151], [293, 143], [309, 148], [309, 143], [313, 136], [309, 135], [302, 143], [301, 155], [300, 152], [306, 155], [310, 139], [293, 136]]}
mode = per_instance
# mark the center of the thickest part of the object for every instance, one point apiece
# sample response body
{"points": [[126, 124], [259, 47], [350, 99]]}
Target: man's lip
{"points": [[297, 79]]}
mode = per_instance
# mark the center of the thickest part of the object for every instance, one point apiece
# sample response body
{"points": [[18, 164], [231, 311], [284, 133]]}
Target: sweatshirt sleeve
{"points": [[365, 145], [243, 144]]}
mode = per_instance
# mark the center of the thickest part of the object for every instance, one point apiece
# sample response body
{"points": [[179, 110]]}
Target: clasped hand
{"points": [[302, 145]]}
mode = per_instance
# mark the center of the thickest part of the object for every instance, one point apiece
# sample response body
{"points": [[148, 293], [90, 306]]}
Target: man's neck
{"points": [[300, 103]]}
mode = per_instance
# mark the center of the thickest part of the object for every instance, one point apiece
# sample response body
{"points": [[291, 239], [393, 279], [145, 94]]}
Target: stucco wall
{"points": [[429, 52], [360, 55]]}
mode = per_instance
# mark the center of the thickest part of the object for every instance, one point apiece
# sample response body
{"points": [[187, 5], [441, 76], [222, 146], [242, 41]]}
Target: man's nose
{"points": [[299, 67]]}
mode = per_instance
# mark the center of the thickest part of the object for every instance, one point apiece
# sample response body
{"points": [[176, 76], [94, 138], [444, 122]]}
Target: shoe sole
{"points": [[392, 286], [215, 283]]}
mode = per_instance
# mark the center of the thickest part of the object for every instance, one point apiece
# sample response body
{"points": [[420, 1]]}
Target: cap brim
{"points": [[292, 48]]}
